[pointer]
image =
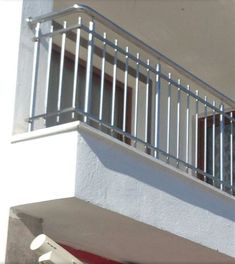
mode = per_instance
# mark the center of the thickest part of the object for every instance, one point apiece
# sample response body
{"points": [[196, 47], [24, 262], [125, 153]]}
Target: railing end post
{"points": [[28, 20], [76, 6]]}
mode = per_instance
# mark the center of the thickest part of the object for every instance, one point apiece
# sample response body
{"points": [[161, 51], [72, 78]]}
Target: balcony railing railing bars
{"points": [[152, 111], [79, 8]]}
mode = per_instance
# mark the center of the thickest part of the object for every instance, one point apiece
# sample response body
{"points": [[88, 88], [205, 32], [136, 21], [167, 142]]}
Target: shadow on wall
{"points": [[22, 229], [125, 161]]}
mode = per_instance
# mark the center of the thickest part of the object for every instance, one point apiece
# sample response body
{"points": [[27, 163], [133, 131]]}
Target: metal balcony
{"points": [[99, 73]]}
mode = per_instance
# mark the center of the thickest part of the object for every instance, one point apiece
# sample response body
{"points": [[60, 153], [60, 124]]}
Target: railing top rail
{"points": [[80, 8]]}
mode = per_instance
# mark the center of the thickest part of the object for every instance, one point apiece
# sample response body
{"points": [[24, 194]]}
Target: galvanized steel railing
{"points": [[152, 103]]}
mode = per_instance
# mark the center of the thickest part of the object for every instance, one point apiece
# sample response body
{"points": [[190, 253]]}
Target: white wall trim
{"points": [[80, 126]]}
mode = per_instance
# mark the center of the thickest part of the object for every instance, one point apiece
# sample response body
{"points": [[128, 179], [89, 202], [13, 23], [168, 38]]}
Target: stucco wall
{"points": [[117, 178]]}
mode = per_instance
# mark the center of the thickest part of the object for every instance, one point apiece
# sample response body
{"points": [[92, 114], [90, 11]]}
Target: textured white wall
{"points": [[114, 176], [117, 178]]}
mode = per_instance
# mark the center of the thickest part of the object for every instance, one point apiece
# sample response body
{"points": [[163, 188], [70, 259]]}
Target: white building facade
{"points": [[118, 153]]}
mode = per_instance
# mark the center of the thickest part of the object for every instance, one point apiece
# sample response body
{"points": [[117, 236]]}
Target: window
{"points": [[228, 139]]}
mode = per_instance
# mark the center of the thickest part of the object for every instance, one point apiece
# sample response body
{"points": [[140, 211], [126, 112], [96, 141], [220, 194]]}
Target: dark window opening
{"points": [[228, 127]]}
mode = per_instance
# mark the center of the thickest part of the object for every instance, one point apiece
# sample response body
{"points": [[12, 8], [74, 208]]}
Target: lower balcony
{"points": [[126, 205]]}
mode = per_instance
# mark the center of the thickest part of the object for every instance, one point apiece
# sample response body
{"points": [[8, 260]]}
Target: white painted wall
{"points": [[14, 182], [37, 170], [10, 17], [116, 177], [24, 71]]}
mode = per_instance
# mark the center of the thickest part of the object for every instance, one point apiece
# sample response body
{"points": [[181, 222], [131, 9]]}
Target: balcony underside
{"points": [[84, 226]]}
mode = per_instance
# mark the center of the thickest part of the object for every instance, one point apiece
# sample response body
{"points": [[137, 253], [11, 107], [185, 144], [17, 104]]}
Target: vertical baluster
{"points": [[168, 117], [187, 129], [136, 96], [34, 77], [59, 99], [157, 110], [205, 138], [196, 130], [76, 65], [89, 70], [102, 79], [125, 91], [221, 146], [114, 83], [178, 123], [146, 104], [48, 73], [213, 143], [231, 151]]}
